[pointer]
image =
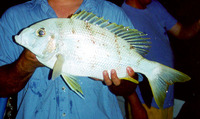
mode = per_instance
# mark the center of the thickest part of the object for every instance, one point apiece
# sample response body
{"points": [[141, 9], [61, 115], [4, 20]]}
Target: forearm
{"points": [[14, 76], [137, 110], [12, 79], [185, 32]]}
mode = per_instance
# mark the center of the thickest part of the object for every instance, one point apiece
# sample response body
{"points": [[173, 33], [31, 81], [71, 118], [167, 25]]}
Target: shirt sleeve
{"points": [[9, 50], [115, 14], [166, 19]]}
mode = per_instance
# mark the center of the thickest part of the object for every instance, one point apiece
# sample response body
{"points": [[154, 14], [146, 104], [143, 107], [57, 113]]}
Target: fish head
{"points": [[40, 38]]}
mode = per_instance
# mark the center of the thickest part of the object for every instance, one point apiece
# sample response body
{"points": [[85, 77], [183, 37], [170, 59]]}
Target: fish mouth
{"points": [[18, 39]]}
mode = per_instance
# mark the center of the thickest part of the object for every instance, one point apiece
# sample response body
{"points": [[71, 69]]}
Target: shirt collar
{"points": [[33, 3], [91, 6]]}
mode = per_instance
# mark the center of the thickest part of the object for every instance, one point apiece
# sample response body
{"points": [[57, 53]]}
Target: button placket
{"points": [[62, 99], [63, 114], [64, 89]]}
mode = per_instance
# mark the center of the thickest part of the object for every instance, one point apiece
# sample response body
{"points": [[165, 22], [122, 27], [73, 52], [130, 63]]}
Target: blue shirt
{"points": [[155, 21], [43, 98], [3, 102]]}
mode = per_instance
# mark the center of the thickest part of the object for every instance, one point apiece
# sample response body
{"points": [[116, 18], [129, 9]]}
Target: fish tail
{"points": [[160, 77]]}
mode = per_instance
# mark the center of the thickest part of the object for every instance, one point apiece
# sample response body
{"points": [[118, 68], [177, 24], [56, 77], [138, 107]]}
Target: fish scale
{"points": [[86, 45]]}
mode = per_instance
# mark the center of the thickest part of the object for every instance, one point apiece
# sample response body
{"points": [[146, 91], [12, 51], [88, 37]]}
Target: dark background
{"points": [[187, 53]]}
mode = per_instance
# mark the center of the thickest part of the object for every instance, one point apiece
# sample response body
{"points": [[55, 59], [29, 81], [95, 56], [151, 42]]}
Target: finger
{"points": [[95, 79], [131, 73], [106, 78], [115, 78]]}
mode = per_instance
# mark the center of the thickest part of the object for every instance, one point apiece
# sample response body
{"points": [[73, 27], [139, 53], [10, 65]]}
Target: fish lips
{"points": [[18, 39]]}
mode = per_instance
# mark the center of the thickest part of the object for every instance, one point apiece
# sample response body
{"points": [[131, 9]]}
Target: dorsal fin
{"points": [[133, 36]]}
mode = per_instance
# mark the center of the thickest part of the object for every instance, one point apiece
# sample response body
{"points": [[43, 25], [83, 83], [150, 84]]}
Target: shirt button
{"points": [[63, 88], [64, 114]]}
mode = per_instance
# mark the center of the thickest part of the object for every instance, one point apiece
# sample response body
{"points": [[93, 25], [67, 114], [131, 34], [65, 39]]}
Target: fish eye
{"points": [[41, 32]]}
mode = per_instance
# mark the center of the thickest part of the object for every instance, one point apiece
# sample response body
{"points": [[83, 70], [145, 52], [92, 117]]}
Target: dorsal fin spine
{"points": [[90, 15], [129, 33], [133, 36], [115, 30], [86, 17], [92, 20], [111, 26], [104, 24], [99, 21]]}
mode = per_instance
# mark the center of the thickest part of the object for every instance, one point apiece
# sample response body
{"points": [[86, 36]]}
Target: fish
{"points": [[86, 45]]}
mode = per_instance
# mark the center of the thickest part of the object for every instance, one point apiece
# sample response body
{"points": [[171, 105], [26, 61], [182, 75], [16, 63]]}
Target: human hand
{"points": [[119, 86], [28, 61]]}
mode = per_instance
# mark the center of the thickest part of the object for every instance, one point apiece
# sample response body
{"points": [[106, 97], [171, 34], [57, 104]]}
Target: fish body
{"points": [[86, 45]]}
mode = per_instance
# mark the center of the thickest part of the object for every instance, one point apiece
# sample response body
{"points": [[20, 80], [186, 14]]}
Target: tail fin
{"points": [[160, 77]]}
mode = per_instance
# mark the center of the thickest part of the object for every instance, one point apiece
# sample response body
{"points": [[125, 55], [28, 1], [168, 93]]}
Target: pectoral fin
{"points": [[57, 69], [73, 84]]}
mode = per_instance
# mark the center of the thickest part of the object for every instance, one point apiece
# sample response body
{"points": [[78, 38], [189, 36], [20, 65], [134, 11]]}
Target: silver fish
{"points": [[86, 45]]}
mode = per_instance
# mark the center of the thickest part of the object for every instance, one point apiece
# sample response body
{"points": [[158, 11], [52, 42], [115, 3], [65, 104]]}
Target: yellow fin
{"points": [[130, 79], [73, 84], [160, 77]]}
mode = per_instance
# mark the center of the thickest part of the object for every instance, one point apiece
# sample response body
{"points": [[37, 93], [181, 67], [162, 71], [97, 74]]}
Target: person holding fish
{"points": [[43, 93], [153, 19], [76, 48]]}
